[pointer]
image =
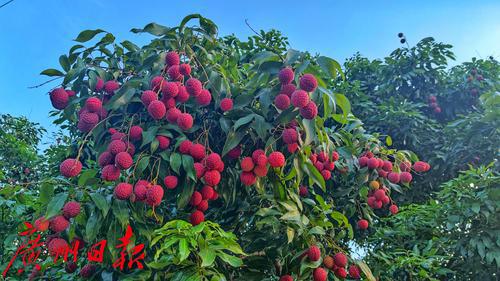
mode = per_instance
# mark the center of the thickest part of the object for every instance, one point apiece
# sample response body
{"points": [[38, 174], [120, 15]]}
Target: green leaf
{"points": [[85, 176], [121, 211], [232, 260], [175, 162], [64, 62], [188, 166], [55, 205], [141, 165], [52, 72], [242, 121], [46, 192], [92, 227], [388, 140], [87, 35], [185, 195], [207, 256], [183, 250], [330, 66], [232, 140], [101, 203], [152, 28]]}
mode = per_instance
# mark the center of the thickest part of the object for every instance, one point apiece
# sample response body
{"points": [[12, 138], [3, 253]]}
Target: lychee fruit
{"points": [[123, 191], [157, 109], [286, 75], [354, 272], [292, 147], [256, 154], [286, 278], [212, 177], [183, 95], [173, 114], [172, 58], [163, 142], [363, 224], [363, 161], [405, 177], [235, 153], [282, 101], [340, 259], [157, 82], [170, 182], [140, 189], [226, 104], [99, 85], [308, 83], [393, 177], [196, 198], [276, 159], [185, 121], [328, 262], [247, 178], [87, 271], [197, 217], [314, 253], [212, 161], [123, 160], [290, 136], [204, 98], [169, 90], [203, 206], [185, 146], [111, 86], [288, 89], [58, 224], [300, 98], [174, 72], [309, 111], [326, 174], [199, 169], [135, 133], [41, 224], [57, 246], [303, 192], [59, 98], [71, 209], [193, 87], [393, 209], [247, 164], [340, 272], [70, 167], [197, 151], [260, 171], [185, 69], [154, 195], [320, 274], [110, 173]]}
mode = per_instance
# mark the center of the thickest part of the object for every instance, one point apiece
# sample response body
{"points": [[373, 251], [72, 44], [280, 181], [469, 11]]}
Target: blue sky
{"points": [[34, 33]]}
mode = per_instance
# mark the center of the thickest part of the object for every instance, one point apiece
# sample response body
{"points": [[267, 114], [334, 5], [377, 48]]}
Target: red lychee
{"points": [[363, 161], [199, 169], [226, 104], [99, 85], [185, 121], [197, 217], [341, 273], [147, 97], [362, 224], [379, 194], [314, 253], [110, 173], [290, 136], [340, 259], [71, 209], [288, 89], [111, 86], [123, 191], [173, 114], [286, 278], [282, 101], [58, 224], [59, 98], [41, 224], [354, 272], [140, 189], [276, 159], [185, 69], [286, 75], [303, 192], [406, 177], [57, 246], [163, 142], [87, 271], [196, 198], [174, 72], [328, 262], [393, 177], [197, 151], [421, 166], [247, 178], [169, 90], [135, 133], [70, 167], [172, 58], [387, 166], [93, 104], [185, 146], [326, 174], [256, 154], [157, 82], [247, 164], [212, 161], [204, 98], [117, 146], [203, 206], [170, 182], [212, 177], [393, 209], [260, 171], [157, 109], [183, 95], [154, 195], [292, 147], [320, 274], [308, 83], [300, 98], [309, 111], [207, 192], [123, 160], [193, 86], [372, 163]]}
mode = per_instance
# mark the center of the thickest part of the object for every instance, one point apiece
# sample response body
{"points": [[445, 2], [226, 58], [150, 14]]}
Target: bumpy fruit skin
{"points": [[196, 199], [387, 166], [173, 114], [110, 173], [282, 101], [393, 177], [59, 98], [71, 209], [70, 167], [41, 224], [328, 262], [87, 121], [154, 195], [204, 98], [185, 121], [234, 153], [340, 259], [286, 278], [379, 194], [303, 192], [292, 147], [157, 110], [197, 217], [93, 104], [163, 142], [123, 160], [309, 111], [170, 182], [185, 146], [260, 171], [226, 104], [363, 224], [341, 273], [394, 209], [193, 87], [212, 177], [135, 133], [58, 224], [247, 164], [290, 136], [57, 246], [300, 98], [174, 72], [247, 178], [319, 274], [172, 58], [326, 174], [421, 166], [199, 169], [140, 189], [256, 154], [212, 161], [354, 272], [373, 163], [276, 159], [111, 86], [203, 206], [105, 158], [87, 271], [157, 82], [197, 151], [288, 89], [308, 83], [207, 192], [169, 90], [117, 146], [70, 267], [185, 69], [99, 85], [286, 75], [363, 161], [314, 253], [405, 177], [123, 191]]}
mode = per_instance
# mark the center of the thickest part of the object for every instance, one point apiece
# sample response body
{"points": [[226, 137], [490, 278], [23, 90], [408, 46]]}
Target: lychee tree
{"points": [[228, 164]]}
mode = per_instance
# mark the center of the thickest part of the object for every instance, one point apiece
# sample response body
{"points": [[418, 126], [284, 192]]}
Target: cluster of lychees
{"points": [[118, 155], [337, 264], [324, 163], [290, 137], [434, 105], [256, 166], [299, 98]]}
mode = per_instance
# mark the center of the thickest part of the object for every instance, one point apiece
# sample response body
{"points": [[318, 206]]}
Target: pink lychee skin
{"points": [[70, 167], [172, 58], [123, 160], [59, 224], [157, 110], [286, 75], [193, 86], [282, 101], [204, 98], [154, 195], [300, 98], [308, 83], [71, 209], [185, 69], [226, 104], [147, 97], [123, 191], [59, 98], [309, 111], [185, 121]]}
